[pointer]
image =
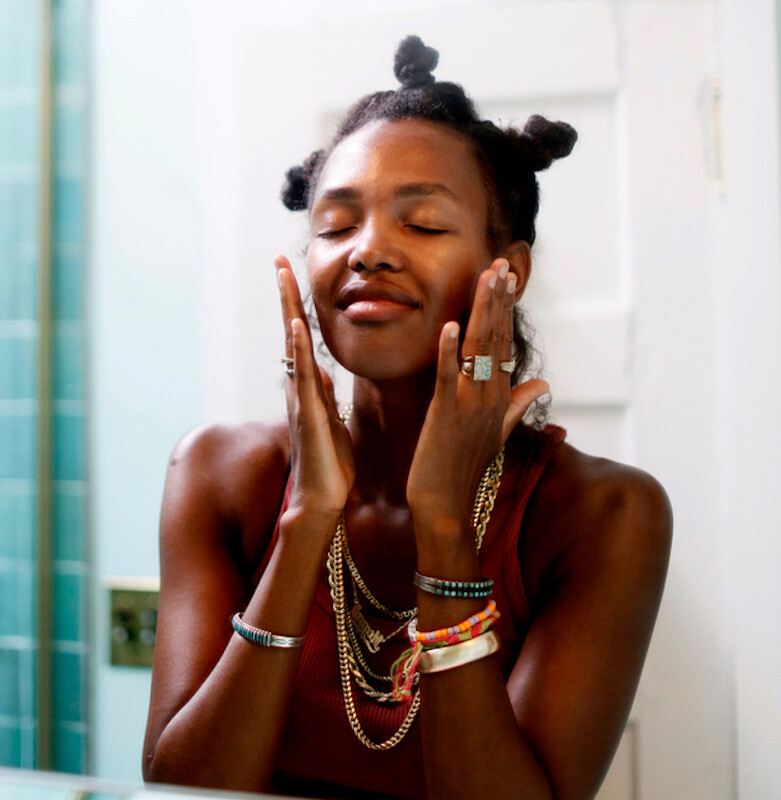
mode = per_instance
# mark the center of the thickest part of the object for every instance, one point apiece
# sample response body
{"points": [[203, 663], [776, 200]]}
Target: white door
{"points": [[621, 274]]}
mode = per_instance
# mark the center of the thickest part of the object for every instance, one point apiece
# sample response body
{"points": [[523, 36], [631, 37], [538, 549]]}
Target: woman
{"points": [[436, 600]]}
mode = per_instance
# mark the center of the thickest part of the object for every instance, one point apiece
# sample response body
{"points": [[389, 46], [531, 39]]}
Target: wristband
{"points": [[457, 655]]}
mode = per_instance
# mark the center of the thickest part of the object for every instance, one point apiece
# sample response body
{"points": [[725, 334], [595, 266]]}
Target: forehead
{"points": [[388, 153]]}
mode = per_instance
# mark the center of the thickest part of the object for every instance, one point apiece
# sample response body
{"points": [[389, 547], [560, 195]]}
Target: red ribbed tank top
{"points": [[319, 746]]}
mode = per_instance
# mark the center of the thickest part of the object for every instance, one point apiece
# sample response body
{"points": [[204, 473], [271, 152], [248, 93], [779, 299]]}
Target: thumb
{"points": [[521, 398]]}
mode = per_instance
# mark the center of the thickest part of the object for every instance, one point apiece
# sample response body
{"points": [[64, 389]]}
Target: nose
{"points": [[374, 248]]}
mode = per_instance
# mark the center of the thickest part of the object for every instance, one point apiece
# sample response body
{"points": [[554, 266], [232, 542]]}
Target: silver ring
{"points": [[507, 366], [476, 368], [288, 366]]}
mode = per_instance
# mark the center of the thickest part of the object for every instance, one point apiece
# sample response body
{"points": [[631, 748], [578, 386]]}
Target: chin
{"points": [[384, 366]]}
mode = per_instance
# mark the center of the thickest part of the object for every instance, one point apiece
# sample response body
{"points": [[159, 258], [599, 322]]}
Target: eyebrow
{"points": [[346, 194]]}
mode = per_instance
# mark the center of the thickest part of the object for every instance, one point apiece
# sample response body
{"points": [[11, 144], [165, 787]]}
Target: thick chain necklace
{"points": [[352, 627]]}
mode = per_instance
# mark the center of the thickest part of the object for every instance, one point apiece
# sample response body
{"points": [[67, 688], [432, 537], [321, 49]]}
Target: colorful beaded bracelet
{"points": [[446, 588], [406, 665], [261, 637], [472, 626]]}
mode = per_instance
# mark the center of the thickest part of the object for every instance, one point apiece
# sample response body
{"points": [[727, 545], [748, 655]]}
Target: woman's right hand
{"points": [[321, 454]]}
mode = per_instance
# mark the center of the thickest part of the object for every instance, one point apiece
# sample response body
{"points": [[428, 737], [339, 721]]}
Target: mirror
{"points": [[193, 115]]}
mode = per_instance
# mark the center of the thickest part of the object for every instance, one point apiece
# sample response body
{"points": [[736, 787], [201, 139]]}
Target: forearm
{"points": [[228, 733], [472, 745]]}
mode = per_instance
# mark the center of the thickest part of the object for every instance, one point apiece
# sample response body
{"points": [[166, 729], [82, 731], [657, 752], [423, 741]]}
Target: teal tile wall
{"points": [[19, 136], [69, 587], [20, 92]]}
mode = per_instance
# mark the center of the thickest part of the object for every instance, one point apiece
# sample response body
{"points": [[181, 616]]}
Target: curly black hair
{"points": [[508, 157]]}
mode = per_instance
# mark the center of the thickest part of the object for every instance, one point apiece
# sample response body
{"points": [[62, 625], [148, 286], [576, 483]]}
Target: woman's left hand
{"points": [[469, 420]]}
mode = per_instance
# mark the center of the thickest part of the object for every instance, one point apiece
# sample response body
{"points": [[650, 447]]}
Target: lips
{"points": [[373, 292], [374, 302]]}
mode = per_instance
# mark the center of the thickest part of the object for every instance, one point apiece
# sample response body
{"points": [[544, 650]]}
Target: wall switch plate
{"points": [[133, 620]]}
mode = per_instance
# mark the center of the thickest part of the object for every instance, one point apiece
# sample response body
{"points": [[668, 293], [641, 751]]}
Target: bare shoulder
{"points": [[585, 506], [232, 475]]}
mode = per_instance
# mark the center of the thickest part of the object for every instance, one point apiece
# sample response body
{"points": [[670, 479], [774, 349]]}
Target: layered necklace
{"points": [[354, 634]]}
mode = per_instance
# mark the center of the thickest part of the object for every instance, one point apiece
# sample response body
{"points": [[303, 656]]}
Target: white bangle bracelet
{"points": [[261, 637], [439, 659]]}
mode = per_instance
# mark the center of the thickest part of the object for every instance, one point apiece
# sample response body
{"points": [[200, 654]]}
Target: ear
{"points": [[520, 257]]}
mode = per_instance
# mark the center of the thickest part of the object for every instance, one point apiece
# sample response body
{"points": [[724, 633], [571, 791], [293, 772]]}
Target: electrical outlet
{"points": [[133, 620]]}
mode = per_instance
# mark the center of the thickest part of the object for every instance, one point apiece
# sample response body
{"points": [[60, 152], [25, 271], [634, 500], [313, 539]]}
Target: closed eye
{"points": [[334, 234], [427, 230]]}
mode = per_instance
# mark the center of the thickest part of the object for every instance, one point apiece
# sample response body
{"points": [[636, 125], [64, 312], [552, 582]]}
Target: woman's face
{"points": [[398, 238]]}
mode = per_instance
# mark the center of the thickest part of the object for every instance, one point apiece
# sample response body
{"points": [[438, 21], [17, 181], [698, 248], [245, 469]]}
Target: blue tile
{"points": [[70, 525], [28, 669], [68, 279], [9, 683], [18, 211], [68, 750], [18, 135], [17, 600], [18, 453], [68, 607], [68, 447], [68, 366], [18, 521], [67, 687], [10, 745], [18, 367], [70, 52], [68, 210], [18, 283], [69, 135], [20, 48], [9, 601]]}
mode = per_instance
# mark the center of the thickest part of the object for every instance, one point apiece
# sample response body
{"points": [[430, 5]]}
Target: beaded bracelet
{"points": [[468, 629], [261, 637], [406, 665], [446, 588]]}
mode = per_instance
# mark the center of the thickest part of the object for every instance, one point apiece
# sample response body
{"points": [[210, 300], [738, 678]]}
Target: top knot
{"points": [[546, 141], [414, 63]]}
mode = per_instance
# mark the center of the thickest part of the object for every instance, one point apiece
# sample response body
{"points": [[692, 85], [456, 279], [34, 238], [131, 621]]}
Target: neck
{"points": [[385, 425]]}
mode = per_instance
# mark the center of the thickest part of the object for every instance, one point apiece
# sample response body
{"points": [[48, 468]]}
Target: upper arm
{"points": [[202, 584], [574, 681]]}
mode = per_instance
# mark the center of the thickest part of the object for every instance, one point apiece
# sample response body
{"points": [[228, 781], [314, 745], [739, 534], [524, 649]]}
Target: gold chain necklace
{"points": [[352, 663]]}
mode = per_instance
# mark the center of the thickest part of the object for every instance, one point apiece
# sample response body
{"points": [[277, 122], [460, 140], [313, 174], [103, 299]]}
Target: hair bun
{"points": [[546, 141], [414, 63], [295, 189]]}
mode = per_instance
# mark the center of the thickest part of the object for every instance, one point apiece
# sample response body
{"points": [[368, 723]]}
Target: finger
{"points": [[306, 371], [477, 339], [506, 329], [498, 308], [447, 364], [328, 393], [520, 399], [288, 296]]}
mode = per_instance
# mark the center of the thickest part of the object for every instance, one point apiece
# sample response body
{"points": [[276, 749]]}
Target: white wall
{"points": [[748, 245]]}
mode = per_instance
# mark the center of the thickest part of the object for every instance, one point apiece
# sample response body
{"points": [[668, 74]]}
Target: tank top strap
{"points": [[500, 552]]}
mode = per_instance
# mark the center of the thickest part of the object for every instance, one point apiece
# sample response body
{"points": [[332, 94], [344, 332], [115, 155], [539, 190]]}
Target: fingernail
{"points": [[511, 281], [279, 279], [503, 270], [453, 331], [492, 282]]}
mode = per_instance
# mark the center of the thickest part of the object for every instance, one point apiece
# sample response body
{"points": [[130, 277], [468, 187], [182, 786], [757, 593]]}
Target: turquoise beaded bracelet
{"points": [[261, 637], [445, 588]]}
